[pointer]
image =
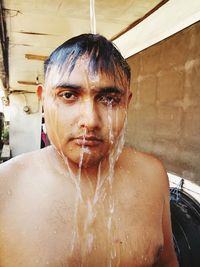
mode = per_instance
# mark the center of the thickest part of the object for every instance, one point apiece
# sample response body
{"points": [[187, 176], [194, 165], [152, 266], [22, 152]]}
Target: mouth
{"points": [[88, 140]]}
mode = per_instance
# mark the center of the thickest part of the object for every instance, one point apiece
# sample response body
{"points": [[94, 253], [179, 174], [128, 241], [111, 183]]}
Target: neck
{"points": [[91, 182]]}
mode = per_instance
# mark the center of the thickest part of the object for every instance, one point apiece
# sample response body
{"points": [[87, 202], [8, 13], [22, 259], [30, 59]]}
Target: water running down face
{"points": [[85, 109]]}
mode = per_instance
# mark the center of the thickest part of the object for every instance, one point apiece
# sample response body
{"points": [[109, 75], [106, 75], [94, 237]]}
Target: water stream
{"points": [[84, 236], [92, 17], [86, 242]]}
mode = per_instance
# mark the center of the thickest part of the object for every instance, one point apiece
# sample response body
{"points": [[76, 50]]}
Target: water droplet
{"points": [[9, 192]]}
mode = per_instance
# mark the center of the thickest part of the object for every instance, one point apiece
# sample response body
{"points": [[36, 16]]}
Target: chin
{"points": [[91, 156], [88, 161]]}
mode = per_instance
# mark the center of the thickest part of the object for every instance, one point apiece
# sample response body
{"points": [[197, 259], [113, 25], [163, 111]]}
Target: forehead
{"points": [[83, 73]]}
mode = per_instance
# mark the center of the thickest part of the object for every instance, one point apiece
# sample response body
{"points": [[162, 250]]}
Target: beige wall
{"points": [[25, 129], [164, 116]]}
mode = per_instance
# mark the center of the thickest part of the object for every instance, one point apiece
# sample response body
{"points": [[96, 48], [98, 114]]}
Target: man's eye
{"points": [[67, 95], [109, 100]]}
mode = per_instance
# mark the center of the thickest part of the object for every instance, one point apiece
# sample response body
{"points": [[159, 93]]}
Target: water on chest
{"points": [[111, 237], [90, 237]]}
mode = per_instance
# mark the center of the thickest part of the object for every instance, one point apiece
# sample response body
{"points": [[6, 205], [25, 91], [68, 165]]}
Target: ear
{"points": [[129, 97], [40, 91]]}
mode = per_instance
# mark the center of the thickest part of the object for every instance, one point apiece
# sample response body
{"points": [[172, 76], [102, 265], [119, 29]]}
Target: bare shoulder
{"points": [[141, 158], [145, 165], [19, 163], [15, 169], [9, 167]]}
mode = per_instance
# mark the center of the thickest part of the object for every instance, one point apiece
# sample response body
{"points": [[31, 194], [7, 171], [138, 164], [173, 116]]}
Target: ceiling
{"points": [[36, 27]]}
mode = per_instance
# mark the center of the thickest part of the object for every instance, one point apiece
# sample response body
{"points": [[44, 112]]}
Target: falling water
{"points": [[114, 254], [87, 240], [92, 17], [104, 182]]}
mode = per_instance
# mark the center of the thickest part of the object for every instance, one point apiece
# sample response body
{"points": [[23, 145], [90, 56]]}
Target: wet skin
{"points": [[129, 224], [81, 109], [37, 214]]}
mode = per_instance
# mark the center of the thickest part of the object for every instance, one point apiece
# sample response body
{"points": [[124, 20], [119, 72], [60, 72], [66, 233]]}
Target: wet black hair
{"points": [[103, 55]]}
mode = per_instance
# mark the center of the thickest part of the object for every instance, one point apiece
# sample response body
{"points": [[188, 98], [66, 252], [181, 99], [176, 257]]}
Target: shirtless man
{"points": [[85, 200]]}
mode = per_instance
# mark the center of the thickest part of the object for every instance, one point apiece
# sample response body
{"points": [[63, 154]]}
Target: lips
{"points": [[88, 140]]}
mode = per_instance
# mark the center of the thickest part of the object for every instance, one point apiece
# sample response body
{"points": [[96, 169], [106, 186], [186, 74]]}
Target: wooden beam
{"points": [[27, 82], [35, 57], [135, 23]]}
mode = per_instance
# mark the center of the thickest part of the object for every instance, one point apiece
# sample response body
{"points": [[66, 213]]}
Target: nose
{"points": [[89, 116]]}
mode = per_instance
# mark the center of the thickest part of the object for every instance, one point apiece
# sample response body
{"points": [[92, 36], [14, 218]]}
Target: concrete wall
{"points": [[25, 129], [164, 116]]}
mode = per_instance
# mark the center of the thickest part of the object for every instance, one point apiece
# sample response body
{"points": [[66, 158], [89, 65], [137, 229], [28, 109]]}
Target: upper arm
{"points": [[168, 256]]}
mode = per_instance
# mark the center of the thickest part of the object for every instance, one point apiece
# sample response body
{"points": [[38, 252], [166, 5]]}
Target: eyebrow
{"points": [[102, 90], [110, 89], [68, 85]]}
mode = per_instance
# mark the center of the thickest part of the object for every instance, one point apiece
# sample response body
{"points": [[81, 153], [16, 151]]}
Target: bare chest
{"points": [[54, 231]]}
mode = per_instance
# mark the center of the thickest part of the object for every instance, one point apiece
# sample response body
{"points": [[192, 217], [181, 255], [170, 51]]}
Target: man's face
{"points": [[85, 110]]}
